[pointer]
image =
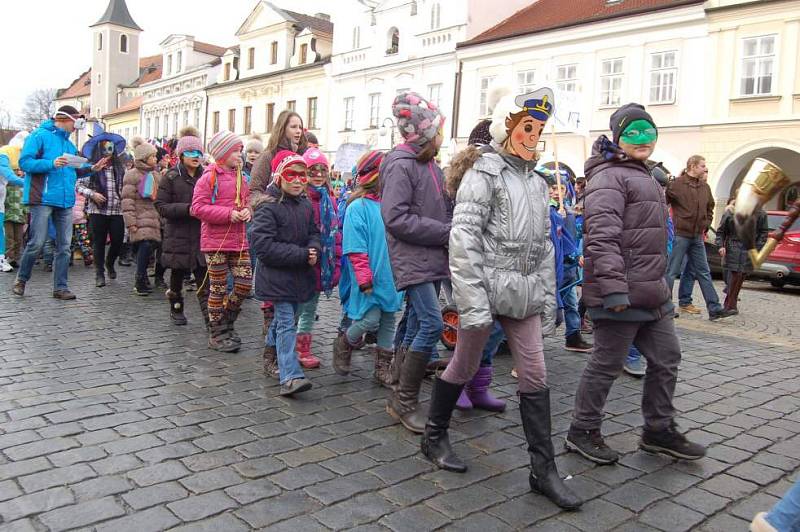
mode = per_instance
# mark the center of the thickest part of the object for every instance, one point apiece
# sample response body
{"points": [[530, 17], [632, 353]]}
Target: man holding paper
{"points": [[48, 159]]}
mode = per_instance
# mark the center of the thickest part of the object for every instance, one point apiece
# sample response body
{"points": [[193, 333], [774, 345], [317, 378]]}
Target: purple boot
{"points": [[477, 391], [463, 402]]}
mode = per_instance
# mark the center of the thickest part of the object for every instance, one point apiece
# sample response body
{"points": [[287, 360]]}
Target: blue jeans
{"points": [[695, 250], [374, 320], [282, 334], [572, 319], [62, 218], [493, 344], [785, 515], [427, 316], [686, 285]]}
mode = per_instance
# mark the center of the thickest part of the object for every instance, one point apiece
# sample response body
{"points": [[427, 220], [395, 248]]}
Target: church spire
{"points": [[117, 13]]}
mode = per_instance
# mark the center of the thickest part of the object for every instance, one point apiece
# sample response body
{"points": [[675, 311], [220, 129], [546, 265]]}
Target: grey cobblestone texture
{"points": [[112, 419]]}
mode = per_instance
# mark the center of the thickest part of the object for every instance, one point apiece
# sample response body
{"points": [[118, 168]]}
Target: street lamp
{"points": [[390, 130]]}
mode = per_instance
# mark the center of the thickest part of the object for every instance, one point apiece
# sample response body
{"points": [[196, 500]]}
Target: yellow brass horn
{"points": [[762, 182]]}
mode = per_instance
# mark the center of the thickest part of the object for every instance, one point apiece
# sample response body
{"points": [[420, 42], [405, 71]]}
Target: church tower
{"points": [[115, 52]]}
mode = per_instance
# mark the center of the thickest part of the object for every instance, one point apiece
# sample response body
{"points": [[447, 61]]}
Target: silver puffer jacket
{"points": [[501, 255]]}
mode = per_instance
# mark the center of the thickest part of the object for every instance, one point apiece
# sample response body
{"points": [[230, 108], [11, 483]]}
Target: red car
{"points": [[782, 267]]}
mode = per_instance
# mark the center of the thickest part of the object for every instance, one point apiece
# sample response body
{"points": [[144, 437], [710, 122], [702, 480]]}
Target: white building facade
{"points": [[395, 46], [281, 61], [178, 99]]}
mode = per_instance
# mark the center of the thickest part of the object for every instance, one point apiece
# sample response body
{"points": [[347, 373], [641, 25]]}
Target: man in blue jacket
{"points": [[50, 192]]}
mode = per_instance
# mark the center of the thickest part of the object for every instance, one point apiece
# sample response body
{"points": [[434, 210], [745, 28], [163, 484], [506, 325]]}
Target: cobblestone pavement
{"points": [[114, 420]]}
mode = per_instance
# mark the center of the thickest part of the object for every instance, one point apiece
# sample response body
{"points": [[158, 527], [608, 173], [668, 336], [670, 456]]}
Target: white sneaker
{"points": [[4, 265]]}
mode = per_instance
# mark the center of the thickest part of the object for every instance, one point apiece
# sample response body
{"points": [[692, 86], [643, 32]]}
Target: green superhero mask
{"points": [[639, 132]]}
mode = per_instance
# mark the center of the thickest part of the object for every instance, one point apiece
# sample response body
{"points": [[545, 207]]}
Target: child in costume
{"points": [[138, 210], [285, 238], [373, 299], [221, 202], [10, 177], [503, 267], [328, 267]]}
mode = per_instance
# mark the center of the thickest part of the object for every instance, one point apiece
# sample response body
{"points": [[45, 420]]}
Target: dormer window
{"points": [[393, 41], [251, 58], [436, 16], [303, 54], [227, 72], [169, 65], [273, 53], [180, 60], [356, 38], [123, 43]]}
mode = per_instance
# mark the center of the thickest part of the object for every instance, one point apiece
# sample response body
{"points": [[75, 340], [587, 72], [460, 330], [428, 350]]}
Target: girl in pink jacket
{"points": [[221, 202]]}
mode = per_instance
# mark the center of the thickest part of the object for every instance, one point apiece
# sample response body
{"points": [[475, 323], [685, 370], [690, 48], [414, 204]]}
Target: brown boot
{"points": [[397, 363], [342, 352], [383, 372], [403, 404]]}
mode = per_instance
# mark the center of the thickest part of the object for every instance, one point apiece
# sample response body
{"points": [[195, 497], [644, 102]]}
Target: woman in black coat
{"points": [[181, 237], [735, 262]]}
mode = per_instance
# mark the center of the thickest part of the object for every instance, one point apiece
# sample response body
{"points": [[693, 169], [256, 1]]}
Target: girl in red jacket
{"points": [[221, 202], [327, 270]]}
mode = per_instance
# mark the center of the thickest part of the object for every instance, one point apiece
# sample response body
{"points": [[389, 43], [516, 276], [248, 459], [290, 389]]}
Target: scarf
{"points": [[147, 186], [329, 226]]}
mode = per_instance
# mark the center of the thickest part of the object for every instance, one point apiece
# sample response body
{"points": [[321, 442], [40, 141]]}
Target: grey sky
{"points": [[48, 42]]}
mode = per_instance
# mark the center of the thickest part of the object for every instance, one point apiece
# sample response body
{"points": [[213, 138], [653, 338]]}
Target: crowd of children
{"points": [[506, 234]]}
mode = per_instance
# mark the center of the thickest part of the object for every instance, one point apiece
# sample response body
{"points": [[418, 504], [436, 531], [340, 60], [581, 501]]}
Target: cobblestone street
{"points": [[112, 419]]}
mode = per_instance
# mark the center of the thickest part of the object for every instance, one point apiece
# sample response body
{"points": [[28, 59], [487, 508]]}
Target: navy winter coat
{"points": [[283, 230]]}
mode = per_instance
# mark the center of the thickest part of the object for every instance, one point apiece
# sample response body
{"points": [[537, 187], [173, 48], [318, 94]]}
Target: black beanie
{"points": [[480, 134], [625, 115]]}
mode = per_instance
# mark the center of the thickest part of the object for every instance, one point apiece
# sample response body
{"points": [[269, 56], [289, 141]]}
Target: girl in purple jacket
{"points": [[221, 202]]}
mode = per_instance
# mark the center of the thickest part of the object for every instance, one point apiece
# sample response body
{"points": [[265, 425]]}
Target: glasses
{"points": [[290, 176], [193, 154]]}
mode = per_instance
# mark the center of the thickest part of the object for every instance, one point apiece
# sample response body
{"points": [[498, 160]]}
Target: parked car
{"points": [[782, 267]]}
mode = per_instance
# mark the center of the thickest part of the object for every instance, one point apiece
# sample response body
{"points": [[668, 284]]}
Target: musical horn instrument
{"points": [[761, 183]]}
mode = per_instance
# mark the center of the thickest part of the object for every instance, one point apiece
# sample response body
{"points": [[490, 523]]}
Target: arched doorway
{"points": [[733, 169]]}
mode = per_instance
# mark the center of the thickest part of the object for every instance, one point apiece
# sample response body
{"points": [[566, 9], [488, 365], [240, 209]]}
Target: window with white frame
{"points": [[157, 122], [185, 118], [349, 108], [567, 78], [525, 81], [374, 109], [611, 76], [436, 16], [486, 81], [435, 93], [758, 61], [147, 128], [663, 76], [356, 37], [169, 64], [196, 117], [179, 61]]}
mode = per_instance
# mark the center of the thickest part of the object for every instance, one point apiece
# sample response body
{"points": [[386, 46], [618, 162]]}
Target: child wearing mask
{"points": [[373, 299], [285, 238], [80, 231], [139, 189], [328, 268], [220, 201]]}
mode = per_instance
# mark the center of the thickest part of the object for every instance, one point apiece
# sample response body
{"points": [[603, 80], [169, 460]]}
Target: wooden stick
{"points": [[561, 209]]}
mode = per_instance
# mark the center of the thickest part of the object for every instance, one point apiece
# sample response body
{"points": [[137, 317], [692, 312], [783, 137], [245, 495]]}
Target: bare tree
{"points": [[39, 106], [6, 120]]}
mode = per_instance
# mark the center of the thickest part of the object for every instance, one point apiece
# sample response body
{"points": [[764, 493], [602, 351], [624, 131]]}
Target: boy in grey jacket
{"points": [[625, 290]]}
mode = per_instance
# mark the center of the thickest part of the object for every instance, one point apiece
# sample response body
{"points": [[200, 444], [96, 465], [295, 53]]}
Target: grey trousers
{"points": [[658, 344]]}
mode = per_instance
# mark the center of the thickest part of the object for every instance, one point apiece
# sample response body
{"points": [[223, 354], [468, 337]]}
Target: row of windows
{"points": [[159, 126], [435, 24], [273, 59], [310, 120], [123, 42], [756, 79]]}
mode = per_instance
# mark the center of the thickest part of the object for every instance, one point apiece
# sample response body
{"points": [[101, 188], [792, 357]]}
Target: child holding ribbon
{"points": [[139, 188], [221, 202]]}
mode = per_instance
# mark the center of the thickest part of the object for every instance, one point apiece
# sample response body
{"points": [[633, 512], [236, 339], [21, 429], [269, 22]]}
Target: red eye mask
{"points": [[290, 176]]}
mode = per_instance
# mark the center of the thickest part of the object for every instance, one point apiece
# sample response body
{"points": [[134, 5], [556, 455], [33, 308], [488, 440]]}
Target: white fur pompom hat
{"points": [[540, 104]]}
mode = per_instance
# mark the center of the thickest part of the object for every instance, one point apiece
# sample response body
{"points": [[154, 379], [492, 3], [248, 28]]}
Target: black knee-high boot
{"points": [[534, 408], [435, 441]]}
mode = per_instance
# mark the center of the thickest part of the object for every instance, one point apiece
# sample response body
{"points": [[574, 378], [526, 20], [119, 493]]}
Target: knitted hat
{"points": [[282, 160], [223, 144], [625, 115], [368, 167], [141, 149], [189, 140], [480, 134], [161, 152], [313, 156], [417, 119], [254, 144]]}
